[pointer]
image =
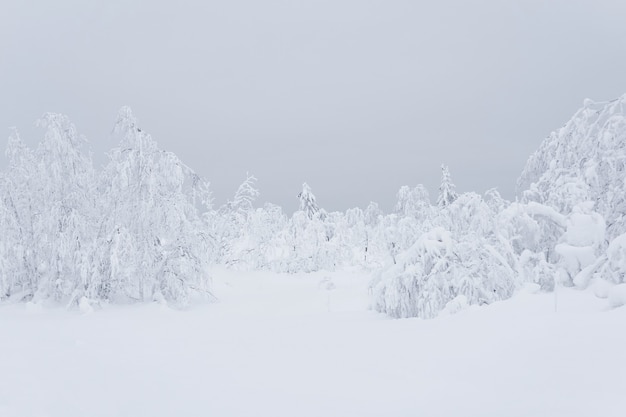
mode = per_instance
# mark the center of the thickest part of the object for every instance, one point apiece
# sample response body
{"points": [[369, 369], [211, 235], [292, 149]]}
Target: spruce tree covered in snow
{"points": [[232, 223], [308, 202], [245, 196], [447, 193]]}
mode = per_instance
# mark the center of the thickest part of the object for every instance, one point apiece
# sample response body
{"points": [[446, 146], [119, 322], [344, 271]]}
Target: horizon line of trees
{"points": [[144, 228]]}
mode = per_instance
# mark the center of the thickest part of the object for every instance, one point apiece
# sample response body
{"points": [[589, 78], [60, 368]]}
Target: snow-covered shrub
{"points": [[437, 270], [617, 295], [614, 270], [581, 243], [481, 249]]}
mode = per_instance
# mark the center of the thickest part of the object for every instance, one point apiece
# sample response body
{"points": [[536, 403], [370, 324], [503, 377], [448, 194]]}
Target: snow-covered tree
{"points": [[372, 214], [156, 247], [583, 164], [308, 202], [20, 257], [245, 196], [67, 177], [413, 202], [447, 193], [614, 269], [49, 205], [263, 244], [585, 160], [232, 224]]}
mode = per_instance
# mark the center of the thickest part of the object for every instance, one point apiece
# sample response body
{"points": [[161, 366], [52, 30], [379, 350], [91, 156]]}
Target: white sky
{"points": [[355, 97]]}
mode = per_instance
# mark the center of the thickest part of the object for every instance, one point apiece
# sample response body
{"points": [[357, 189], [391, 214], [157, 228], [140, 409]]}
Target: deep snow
{"points": [[291, 345]]}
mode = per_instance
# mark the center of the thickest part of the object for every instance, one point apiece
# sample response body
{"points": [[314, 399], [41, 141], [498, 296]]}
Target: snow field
{"points": [[284, 345]]}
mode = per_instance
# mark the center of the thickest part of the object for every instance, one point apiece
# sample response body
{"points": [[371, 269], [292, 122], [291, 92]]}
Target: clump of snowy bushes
{"points": [[438, 269], [568, 229], [474, 251]]}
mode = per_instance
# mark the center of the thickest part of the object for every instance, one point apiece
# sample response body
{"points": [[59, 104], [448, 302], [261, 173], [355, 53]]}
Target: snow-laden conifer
{"points": [[308, 202], [447, 193]]}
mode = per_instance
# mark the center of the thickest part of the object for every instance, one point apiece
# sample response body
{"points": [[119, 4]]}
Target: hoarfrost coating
{"points": [[144, 228]]}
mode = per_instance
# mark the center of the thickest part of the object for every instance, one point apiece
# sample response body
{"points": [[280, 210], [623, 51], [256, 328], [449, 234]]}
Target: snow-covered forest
{"points": [[292, 314], [144, 227]]}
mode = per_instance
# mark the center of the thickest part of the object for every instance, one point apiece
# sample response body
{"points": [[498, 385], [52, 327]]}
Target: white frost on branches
{"points": [[143, 228]]}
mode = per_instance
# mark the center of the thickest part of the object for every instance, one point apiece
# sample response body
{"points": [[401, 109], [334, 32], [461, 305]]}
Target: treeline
{"points": [[144, 229], [132, 232]]}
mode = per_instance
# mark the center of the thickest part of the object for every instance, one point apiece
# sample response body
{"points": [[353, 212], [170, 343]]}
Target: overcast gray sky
{"points": [[355, 97]]}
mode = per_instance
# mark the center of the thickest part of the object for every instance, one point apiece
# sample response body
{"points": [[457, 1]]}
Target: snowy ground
{"points": [[285, 346]]}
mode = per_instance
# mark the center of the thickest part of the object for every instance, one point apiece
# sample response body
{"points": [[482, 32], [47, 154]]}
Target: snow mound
{"points": [[600, 287], [84, 305], [271, 347], [530, 288], [459, 303], [617, 295]]}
